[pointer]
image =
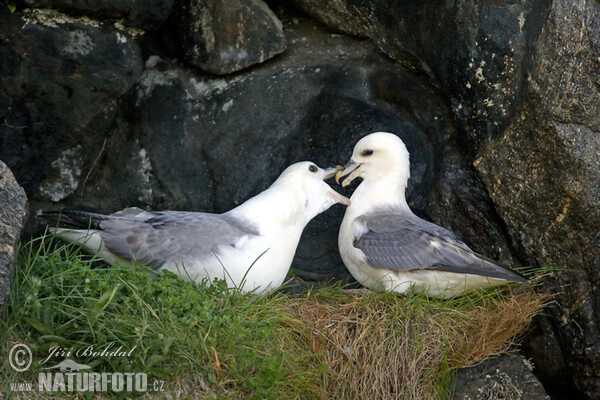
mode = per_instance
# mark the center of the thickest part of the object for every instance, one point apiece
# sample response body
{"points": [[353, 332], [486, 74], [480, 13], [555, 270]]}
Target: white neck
{"points": [[280, 203], [384, 192]]}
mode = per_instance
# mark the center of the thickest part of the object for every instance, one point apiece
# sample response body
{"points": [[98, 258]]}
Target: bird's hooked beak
{"points": [[338, 198], [351, 168]]}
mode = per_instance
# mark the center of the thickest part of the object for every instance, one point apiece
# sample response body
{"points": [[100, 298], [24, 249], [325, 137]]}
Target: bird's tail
{"points": [[496, 270], [75, 219], [88, 236]]}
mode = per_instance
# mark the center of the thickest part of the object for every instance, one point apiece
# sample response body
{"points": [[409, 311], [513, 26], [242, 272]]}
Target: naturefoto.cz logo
{"points": [[70, 376]]}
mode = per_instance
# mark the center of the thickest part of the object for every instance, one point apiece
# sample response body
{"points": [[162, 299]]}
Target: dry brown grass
{"points": [[383, 346]]}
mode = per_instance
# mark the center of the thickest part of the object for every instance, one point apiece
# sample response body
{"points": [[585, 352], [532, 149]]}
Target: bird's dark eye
{"points": [[367, 152], [313, 168]]}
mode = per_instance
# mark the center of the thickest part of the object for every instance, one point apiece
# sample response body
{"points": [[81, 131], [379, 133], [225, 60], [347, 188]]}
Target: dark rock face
{"points": [[13, 210], [507, 377], [225, 36], [61, 77], [544, 176], [144, 14], [477, 52]]}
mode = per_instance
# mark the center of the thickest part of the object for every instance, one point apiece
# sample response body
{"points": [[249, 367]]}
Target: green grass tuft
{"points": [[215, 342]]}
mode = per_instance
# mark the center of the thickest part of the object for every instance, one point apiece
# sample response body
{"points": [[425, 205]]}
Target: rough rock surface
{"points": [[144, 14], [13, 210], [544, 176], [60, 80], [477, 52], [224, 36], [508, 377]]}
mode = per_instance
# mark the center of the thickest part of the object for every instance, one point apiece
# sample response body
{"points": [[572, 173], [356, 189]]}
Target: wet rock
{"points": [[544, 173], [144, 14], [507, 377], [13, 211], [61, 78], [224, 36]]}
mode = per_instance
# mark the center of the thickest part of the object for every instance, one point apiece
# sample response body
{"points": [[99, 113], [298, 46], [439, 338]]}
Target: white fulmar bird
{"points": [[384, 245], [250, 246]]}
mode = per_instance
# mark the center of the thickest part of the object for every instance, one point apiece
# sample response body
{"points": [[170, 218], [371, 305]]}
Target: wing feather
{"points": [[403, 242], [159, 237]]}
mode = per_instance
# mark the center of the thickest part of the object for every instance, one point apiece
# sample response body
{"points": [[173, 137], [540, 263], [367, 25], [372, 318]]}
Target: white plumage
{"points": [[250, 246], [384, 245]]}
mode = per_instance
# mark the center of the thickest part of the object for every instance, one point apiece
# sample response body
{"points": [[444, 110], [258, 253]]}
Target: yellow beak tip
{"points": [[338, 175]]}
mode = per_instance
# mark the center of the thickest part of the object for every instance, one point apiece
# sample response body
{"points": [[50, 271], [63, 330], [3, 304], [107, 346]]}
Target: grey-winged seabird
{"points": [[384, 245], [250, 246]]}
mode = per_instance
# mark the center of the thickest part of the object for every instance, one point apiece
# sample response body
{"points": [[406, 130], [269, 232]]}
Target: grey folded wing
{"points": [[155, 238], [402, 242]]}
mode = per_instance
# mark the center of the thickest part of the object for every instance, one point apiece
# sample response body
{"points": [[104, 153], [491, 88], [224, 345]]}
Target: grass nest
{"points": [[385, 346], [214, 342]]}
